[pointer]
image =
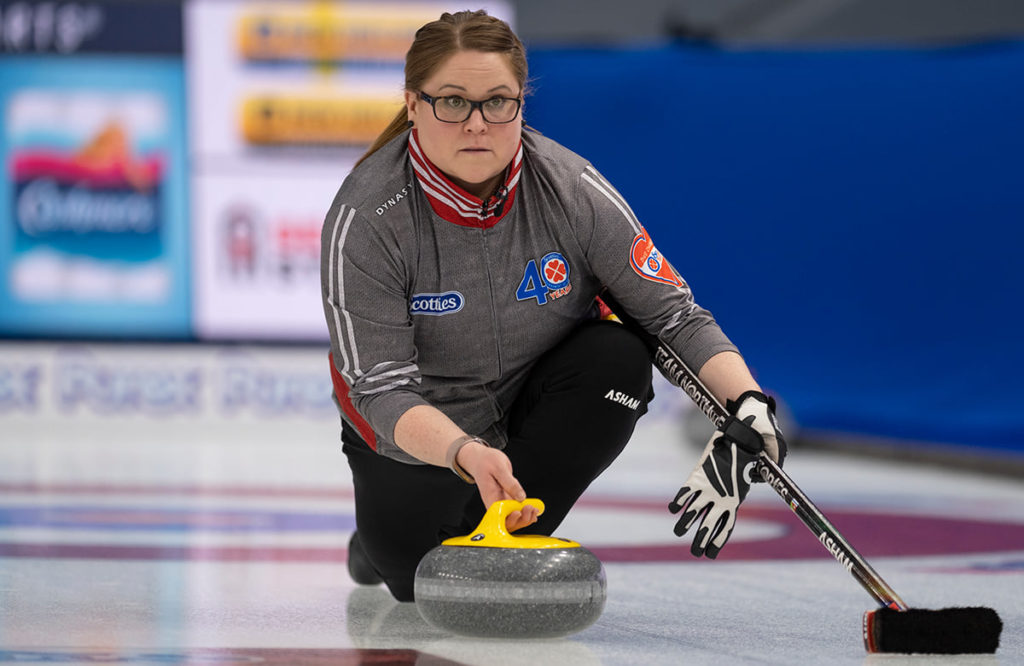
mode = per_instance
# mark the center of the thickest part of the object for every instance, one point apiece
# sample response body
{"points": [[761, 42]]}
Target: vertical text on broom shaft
{"points": [[836, 550]]}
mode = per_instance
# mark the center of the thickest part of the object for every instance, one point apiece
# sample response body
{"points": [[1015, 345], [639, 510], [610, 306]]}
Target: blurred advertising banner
{"points": [[146, 382], [93, 206], [284, 97], [90, 26], [257, 255]]}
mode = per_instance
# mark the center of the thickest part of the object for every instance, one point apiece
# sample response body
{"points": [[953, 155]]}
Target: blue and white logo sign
{"points": [[436, 304]]}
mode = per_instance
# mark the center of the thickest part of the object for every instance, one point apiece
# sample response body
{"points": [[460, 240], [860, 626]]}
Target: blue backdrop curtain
{"points": [[853, 219]]}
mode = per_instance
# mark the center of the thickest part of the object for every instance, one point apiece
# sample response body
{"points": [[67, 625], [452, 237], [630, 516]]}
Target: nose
{"points": [[475, 122]]}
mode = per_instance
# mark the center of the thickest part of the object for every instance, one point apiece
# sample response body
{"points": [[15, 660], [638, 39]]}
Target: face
{"points": [[472, 153]]}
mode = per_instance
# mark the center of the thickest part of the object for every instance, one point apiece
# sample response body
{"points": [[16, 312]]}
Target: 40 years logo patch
{"points": [[549, 280]]}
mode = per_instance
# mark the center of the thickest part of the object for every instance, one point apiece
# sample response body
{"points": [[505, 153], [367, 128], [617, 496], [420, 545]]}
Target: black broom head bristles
{"points": [[972, 630]]}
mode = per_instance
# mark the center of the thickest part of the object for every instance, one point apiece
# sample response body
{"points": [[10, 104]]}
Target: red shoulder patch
{"points": [[649, 264]]}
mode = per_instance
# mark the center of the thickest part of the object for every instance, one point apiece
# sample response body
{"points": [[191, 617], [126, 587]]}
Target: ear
{"points": [[412, 105]]}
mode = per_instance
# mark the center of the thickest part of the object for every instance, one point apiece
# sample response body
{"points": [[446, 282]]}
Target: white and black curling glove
{"points": [[722, 478]]}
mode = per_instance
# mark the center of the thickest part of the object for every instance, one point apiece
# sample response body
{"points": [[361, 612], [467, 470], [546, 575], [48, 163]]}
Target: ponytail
{"points": [[398, 124]]}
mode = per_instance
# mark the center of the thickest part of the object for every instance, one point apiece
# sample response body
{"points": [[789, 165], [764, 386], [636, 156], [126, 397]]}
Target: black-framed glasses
{"points": [[456, 109]]}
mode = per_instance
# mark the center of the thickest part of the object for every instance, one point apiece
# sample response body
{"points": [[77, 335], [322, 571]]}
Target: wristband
{"points": [[453, 452]]}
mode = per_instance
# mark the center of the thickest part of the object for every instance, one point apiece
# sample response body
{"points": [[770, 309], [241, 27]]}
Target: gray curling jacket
{"points": [[430, 303]]}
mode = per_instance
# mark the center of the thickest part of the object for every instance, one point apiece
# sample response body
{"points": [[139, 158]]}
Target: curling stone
{"points": [[491, 584]]}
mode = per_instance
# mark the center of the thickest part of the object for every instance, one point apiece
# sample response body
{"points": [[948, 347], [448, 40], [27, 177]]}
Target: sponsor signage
{"points": [[257, 256], [90, 26], [85, 381], [349, 32], [272, 119], [449, 302], [96, 242], [284, 98]]}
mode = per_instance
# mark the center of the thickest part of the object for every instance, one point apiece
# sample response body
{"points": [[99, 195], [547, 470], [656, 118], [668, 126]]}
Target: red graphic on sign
{"points": [[107, 161]]}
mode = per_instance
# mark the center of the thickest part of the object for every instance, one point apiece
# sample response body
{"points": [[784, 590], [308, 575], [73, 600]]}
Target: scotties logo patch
{"points": [[649, 264], [449, 302]]}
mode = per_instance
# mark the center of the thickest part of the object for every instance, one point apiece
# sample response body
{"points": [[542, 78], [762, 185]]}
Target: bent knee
{"points": [[618, 355]]}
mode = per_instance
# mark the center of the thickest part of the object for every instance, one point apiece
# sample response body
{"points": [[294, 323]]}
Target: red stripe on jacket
{"points": [[341, 390]]}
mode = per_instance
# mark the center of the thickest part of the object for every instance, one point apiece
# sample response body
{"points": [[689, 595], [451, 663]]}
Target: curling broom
{"points": [[893, 627]]}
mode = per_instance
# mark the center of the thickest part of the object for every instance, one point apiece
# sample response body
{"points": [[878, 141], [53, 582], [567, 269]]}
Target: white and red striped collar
{"points": [[455, 204]]}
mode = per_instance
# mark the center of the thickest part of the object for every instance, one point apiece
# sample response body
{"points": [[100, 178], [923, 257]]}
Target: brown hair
{"points": [[437, 41]]}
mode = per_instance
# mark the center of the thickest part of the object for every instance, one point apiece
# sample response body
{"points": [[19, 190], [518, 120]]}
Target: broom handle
{"points": [[828, 535], [677, 372]]}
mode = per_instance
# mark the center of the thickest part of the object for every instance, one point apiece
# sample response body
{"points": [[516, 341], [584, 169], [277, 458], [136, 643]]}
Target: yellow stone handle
{"points": [[492, 533]]}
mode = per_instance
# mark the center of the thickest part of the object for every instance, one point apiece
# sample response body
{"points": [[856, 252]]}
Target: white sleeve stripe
{"points": [[336, 276], [381, 376], [386, 387], [612, 196], [607, 185]]}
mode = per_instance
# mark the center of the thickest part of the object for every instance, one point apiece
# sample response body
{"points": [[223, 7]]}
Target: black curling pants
{"points": [[563, 430]]}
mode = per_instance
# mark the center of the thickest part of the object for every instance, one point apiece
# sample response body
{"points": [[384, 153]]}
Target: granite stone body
{"points": [[510, 592]]}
